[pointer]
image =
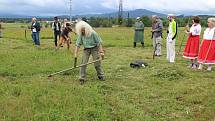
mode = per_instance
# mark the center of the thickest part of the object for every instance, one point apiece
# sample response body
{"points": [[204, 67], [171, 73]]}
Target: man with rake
{"points": [[92, 46]]}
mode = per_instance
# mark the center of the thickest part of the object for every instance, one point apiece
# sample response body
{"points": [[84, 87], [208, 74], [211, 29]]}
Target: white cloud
{"points": [[165, 5], [99, 6]]}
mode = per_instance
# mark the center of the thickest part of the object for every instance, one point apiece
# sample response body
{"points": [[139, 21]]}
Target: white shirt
{"points": [[195, 29], [34, 29], [209, 34], [57, 26]]}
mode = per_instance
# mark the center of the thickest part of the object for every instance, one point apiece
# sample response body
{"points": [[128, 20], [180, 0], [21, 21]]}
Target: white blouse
{"points": [[196, 29], [209, 34]]}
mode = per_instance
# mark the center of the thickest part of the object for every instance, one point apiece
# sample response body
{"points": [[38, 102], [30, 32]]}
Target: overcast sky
{"points": [[61, 7]]}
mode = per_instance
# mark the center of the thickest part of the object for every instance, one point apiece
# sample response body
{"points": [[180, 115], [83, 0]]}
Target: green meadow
{"points": [[159, 92]]}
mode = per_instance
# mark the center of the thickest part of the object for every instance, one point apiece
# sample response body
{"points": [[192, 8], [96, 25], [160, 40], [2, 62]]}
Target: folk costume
{"points": [[192, 47]]}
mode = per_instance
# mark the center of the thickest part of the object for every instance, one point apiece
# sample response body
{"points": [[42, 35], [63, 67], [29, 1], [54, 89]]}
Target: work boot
{"points": [[101, 78], [81, 81], [143, 45], [135, 44]]}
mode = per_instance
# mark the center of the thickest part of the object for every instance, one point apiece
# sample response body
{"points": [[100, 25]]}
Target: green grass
{"points": [[160, 92]]}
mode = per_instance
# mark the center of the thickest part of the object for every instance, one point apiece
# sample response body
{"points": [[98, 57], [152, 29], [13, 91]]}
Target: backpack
{"points": [[138, 64]]}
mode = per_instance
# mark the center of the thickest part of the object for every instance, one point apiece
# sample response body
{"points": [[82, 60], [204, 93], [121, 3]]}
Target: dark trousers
{"points": [[56, 37]]}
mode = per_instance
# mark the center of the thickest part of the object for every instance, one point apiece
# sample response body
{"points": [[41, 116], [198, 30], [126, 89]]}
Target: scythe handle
{"points": [[59, 72]]}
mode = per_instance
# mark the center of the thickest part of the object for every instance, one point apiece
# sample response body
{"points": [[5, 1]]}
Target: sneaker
{"points": [[200, 67], [194, 66], [101, 78], [209, 68]]}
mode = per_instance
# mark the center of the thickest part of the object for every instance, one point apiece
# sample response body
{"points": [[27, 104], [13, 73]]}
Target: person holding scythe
{"points": [[92, 46], [192, 47], [207, 50]]}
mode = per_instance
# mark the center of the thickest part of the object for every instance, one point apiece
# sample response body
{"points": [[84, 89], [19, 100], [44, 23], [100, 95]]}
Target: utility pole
{"points": [[70, 10], [120, 13]]}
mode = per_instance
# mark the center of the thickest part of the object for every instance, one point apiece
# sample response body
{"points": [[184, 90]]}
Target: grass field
{"points": [[160, 92]]}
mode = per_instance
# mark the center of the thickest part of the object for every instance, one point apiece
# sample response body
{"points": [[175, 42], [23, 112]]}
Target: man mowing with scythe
{"points": [[92, 46]]}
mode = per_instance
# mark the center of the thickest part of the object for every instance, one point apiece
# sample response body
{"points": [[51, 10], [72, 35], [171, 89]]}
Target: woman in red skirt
{"points": [[207, 50], [192, 47]]}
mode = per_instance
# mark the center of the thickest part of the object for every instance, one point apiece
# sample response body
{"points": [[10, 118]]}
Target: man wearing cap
{"points": [[139, 32], [157, 27], [171, 38], [56, 26]]}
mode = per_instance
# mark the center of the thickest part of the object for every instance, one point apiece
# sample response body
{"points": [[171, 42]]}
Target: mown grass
{"points": [[160, 92]]}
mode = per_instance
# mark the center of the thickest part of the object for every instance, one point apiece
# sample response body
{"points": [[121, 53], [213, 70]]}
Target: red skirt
{"points": [[207, 52], [192, 47]]}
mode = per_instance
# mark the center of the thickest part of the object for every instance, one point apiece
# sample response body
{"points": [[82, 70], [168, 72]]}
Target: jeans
{"points": [[36, 38]]}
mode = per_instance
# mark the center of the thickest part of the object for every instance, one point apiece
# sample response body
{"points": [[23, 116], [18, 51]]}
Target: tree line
{"points": [[110, 22]]}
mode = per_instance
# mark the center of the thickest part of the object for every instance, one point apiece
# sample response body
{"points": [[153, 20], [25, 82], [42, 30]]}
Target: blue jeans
{"points": [[36, 38]]}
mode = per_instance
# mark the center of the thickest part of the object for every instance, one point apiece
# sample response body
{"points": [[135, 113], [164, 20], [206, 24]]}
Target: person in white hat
{"points": [[139, 32], [171, 38]]}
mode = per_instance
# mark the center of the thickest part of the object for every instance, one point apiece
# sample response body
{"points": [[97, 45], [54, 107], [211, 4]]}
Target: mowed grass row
{"points": [[162, 91]]}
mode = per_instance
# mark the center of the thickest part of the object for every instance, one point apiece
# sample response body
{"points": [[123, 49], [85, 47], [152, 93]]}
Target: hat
{"points": [[56, 18], [170, 15], [137, 18]]}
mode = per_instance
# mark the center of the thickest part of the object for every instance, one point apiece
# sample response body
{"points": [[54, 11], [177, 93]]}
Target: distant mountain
{"points": [[133, 14]]}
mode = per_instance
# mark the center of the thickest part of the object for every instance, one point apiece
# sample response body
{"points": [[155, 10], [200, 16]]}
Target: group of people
{"points": [[61, 32], [86, 36], [198, 55], [92, 42], [204, 54]]}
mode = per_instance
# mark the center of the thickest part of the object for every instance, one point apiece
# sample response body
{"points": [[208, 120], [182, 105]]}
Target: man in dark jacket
{"points": [[35, 28], [56, 26]]}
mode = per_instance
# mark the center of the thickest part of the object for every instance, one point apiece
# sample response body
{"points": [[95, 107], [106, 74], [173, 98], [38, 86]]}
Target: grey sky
{"points": [[61, 7]]}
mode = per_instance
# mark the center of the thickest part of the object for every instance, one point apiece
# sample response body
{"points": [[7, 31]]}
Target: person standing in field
{"points": [[171, 38], [157, 27], [192, 47], [207, 50], [92, 46], [139, 32], [56, 26], [35, 28]]}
